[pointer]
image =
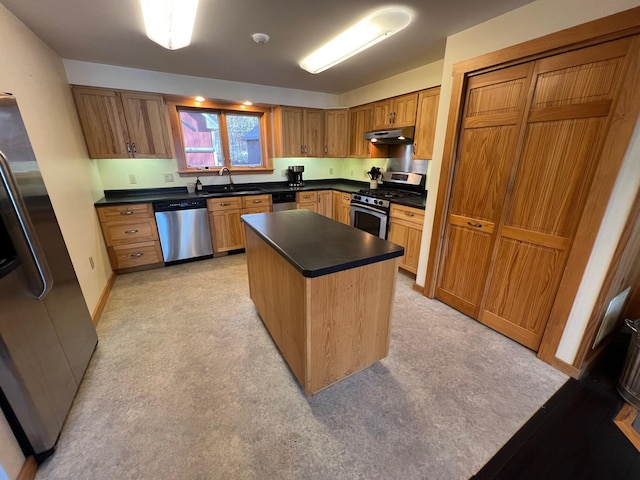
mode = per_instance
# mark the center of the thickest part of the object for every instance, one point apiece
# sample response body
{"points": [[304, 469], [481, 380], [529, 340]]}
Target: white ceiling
{"points": [[112, 32]]}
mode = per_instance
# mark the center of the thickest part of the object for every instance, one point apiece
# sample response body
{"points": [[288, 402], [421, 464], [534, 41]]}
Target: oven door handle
{"points": [[368, 208]]}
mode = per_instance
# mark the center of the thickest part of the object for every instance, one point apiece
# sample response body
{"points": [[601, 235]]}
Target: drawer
{"points": [[345, 198], [409, 214], [224, 203], [135, 255], [252, 201], [307, 197], [127, 212], [258, 209], [118, 233]]}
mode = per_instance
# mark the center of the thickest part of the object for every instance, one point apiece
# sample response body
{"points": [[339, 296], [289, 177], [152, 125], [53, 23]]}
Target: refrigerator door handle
{"points": [[39, 273]]}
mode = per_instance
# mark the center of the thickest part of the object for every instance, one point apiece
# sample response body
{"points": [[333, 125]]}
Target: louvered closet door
{"points": [[565, 126], [493, 113]]}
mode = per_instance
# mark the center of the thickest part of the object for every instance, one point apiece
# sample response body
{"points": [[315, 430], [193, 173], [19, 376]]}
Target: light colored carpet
{"points": [[187, 384]]}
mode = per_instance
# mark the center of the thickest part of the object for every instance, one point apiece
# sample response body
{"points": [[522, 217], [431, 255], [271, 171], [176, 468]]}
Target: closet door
{"points": [[494, 108], [565, 126]]}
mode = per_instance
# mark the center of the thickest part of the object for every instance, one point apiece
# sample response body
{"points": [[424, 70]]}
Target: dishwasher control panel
{"points": [[179, 205]]}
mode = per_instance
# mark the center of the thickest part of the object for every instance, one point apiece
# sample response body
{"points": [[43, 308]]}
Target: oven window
{"points": [[367, 222]]}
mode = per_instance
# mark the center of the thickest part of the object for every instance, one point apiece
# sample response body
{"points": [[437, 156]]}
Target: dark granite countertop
{"points": [[120, 197], [316, 245]]}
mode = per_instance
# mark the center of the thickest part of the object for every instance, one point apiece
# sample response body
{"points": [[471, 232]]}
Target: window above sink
{"points": [[209, 136]]}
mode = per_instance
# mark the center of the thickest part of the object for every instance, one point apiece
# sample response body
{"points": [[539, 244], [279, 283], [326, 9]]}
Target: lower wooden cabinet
{"points": [[405, 228], [325, 203], [227, 232], [131, 236], [341, 207]]}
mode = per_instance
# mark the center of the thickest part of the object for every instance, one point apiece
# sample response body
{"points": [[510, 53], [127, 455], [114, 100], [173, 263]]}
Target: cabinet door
{"points": [[382, 114], [289, 123], [494, 108], [562, 134], [313, 122], [360, 121], [103, 122], [404, 108], [226, 230], [344, 215], [426, 123], [336, 133], [325, 203], [147, 125], [409, 236]]}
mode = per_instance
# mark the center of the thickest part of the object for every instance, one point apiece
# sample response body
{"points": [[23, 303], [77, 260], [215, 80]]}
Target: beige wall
{"points": [[526, 23], [36, 76]]}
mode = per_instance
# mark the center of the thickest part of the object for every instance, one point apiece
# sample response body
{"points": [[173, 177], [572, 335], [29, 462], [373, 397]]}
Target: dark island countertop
{"points": [[122, 197], [316, 245]]}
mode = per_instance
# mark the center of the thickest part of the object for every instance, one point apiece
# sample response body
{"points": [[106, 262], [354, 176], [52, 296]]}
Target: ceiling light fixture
{"points": [[199, 99], [169, 22], [369, 31], [247, 103]]}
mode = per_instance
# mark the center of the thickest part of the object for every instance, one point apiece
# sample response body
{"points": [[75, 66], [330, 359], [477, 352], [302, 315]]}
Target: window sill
{"points": [[216, 171]]}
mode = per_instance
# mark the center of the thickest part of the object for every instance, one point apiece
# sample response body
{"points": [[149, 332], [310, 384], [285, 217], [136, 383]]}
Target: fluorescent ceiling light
{"points": [[371, 30], [169, 22]]}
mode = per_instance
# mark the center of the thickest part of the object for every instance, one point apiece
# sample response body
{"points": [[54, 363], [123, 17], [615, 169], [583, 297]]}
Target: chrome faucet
{"points": [[221, 172]]}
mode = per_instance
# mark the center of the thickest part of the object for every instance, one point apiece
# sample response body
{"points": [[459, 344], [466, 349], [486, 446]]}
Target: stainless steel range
{"points": [[370, 208]]}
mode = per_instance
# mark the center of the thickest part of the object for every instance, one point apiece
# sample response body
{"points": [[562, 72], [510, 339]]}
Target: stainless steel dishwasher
{"points": [[184, 229]]}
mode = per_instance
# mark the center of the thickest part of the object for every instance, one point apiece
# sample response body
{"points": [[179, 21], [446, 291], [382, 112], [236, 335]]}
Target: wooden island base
{"points": [[326, 327]]}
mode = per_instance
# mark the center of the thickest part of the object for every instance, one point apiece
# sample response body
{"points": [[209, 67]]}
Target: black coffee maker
{"points": [[294, 174]]}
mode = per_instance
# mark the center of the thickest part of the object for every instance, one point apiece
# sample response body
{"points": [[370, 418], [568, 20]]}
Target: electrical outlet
{"points": [[132, 179], [91, 263], [330, 171], [168, 177]]}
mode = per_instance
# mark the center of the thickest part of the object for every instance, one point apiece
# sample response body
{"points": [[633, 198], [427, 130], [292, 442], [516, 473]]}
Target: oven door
{"points": [[369, 219]]}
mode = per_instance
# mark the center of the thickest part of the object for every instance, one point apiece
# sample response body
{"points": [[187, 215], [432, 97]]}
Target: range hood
{"points": [[392, 136]]}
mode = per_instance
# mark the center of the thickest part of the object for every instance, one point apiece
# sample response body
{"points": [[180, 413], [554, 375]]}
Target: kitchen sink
{"points": [[221, 192]]}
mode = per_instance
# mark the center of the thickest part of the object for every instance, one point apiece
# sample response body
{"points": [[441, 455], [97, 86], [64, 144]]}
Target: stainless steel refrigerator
{"points": [[46, 334]]}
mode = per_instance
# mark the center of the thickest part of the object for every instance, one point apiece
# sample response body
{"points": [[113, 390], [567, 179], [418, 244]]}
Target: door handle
{"points": [[42, 278]]}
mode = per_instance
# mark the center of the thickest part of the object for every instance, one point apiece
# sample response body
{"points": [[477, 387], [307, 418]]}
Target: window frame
{"points": [[175, 104]]}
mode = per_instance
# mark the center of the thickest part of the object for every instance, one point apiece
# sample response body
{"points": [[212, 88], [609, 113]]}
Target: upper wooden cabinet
{"points": [[395, 112], [336, 133], [360, 121], [299, 132], [118, 124], [426, 123]]}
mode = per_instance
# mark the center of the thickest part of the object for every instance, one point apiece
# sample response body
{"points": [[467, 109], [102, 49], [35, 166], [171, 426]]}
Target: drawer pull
{"points": [[257, 201], [127, 212], [136, 255], [306, 196], [471, 224], [129, 232], [225, 204], [409, 214]]}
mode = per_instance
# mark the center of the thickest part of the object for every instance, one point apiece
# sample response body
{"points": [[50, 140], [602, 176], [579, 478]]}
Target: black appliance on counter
{"points": [[370, 208], [294, 175]]}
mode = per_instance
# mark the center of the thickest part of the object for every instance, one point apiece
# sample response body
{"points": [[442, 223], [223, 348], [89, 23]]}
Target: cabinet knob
{"points": [[225, 204], [129, 232], [135, 150], [257, 201], [136, 255], [127, 212], [128, 148]]}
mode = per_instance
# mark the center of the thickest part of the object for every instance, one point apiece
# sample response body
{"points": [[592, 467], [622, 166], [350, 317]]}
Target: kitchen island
{"points": [[324, 291]]}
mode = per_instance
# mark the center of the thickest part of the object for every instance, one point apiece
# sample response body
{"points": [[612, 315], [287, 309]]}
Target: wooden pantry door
{"points": [[494, 107], [572, 96]]}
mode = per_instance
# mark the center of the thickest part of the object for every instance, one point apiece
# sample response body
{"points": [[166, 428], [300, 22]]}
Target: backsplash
{"points": [[117, 173]]}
